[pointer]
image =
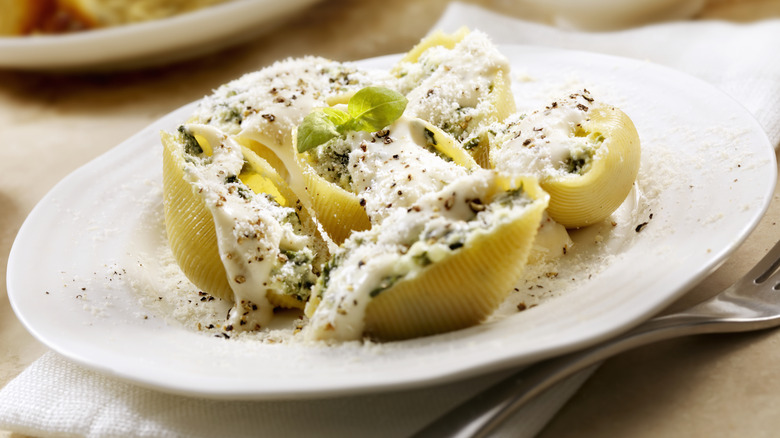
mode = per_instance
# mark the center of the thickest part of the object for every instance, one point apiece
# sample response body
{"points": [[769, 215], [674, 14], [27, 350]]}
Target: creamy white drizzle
{"points": [[250, 229]]}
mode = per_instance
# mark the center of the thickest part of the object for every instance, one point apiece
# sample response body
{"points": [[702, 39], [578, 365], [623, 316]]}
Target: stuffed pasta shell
{"points": [[585, 153], [262, 108], [234, 226], [460, 83], [444, 263], [356, 179]]}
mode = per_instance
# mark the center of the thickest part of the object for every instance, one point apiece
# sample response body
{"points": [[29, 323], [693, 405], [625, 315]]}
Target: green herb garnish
{"points": [[191, 145], [369, 110]]}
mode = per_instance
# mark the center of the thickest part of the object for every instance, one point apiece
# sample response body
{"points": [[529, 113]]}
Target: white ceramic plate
{"points": [[708, 173], [149, 43]]}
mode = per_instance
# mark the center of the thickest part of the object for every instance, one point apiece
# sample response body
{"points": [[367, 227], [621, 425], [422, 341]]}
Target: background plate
{"points": [[707, 176], [151, 42]]}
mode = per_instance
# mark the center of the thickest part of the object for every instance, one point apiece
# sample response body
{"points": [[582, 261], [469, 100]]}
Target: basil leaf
{"points": [[337, 116], [370, 109], [373, 108], [316, 128]]}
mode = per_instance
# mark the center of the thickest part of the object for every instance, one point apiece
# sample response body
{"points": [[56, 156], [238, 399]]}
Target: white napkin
{"points": [[55, 397]]}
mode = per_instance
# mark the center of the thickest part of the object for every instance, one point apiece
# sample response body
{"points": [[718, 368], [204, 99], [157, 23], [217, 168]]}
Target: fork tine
{"points": [[767, 267]]}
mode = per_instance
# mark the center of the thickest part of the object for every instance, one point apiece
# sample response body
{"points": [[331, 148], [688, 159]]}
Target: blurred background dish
{"points": [[31, 17], [597, 15], [89, 35]]}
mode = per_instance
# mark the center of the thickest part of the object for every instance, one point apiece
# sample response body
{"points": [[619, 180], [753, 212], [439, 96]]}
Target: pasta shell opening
{"points": [[191, 225], [340, 212], [581, 200]]}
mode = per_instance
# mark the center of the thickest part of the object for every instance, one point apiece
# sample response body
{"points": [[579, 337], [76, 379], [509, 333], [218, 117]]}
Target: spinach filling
{"points": [[331, 161], [294, 273], [191, 145]]}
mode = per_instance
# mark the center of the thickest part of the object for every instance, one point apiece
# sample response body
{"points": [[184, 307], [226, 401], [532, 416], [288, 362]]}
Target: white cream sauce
{"points": [[249, 230], [392, 169]]}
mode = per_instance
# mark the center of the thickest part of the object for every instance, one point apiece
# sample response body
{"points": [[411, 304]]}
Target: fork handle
{"points": [[484, 413]]}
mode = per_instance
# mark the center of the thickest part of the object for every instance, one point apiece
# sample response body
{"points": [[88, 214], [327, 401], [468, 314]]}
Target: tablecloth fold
{"points": [[55, 397]]}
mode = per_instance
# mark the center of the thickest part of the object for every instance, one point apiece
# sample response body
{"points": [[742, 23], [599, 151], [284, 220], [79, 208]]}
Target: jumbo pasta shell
{"points": [[338, 210], [465, 288], [435, 87], [438, 38], [261, 177], [444, 144], [268, 154], [502, 96], [190, 226], [581, 200], [503, 101], [283, 162]]}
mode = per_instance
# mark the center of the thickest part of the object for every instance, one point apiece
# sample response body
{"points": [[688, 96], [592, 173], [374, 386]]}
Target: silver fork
{"points": [[751, 303]]}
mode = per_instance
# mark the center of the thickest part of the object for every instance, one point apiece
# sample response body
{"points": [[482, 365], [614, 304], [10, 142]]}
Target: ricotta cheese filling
{"points": [[451, 88], [433, 228], [262, 244], [387, 169], [548, 143]]}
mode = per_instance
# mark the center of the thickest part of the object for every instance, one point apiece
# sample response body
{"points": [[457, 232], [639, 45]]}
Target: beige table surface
{"points": [[51, 124]]}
